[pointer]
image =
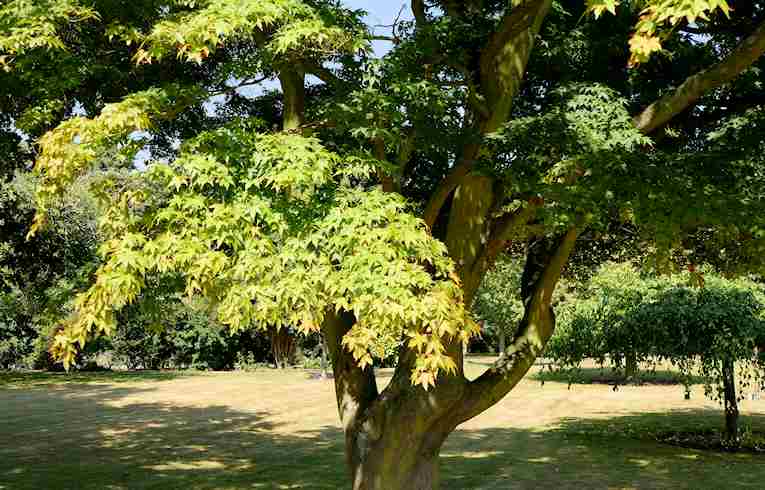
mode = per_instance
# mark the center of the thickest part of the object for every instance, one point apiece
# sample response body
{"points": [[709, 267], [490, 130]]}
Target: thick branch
{"points": [[503, 65], [405, 152], [536, 329], [293, 89], [355, 388], [418, 9], [502, 231], [663, 110], [450, 182], [504, 59], [324, 74], [386, 180], [468, 227]]}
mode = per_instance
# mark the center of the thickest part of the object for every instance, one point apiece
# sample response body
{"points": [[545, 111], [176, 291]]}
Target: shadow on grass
{"points": [[23, 379], [609, 453], [609, 376], [656, 426], [90, 436]]}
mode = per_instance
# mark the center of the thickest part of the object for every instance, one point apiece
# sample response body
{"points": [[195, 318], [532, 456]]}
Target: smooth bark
{"points": [[663, 110], [544, 265], [292, 81], [502, 69], [401, 457], [393, 438]]}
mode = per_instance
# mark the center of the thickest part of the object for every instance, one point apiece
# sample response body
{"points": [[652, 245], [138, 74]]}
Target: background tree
{"points": [[314, 223], [39, 277], [704, 325], [497, 302]]}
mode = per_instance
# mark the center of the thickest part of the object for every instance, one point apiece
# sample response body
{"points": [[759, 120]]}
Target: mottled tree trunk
{"points": [[400, 460], [393, 438], [731, 402]]}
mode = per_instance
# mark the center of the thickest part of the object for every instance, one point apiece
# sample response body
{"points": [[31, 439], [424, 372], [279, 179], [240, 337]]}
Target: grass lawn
{"points": [[271, 429]]}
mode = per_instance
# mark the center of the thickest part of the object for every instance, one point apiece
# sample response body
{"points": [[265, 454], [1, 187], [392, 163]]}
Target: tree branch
{"points": [[450, 182], [355, 388], [322, 73], [405, 152], [504, 59], [503, 65], [418, 9], [244, 83], [385, 179], [292, 81], [663, 110], [501, 232], [537, 327]]}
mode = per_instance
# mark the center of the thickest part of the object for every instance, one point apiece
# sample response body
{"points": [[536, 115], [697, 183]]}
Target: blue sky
{"points": [[381, 11]]}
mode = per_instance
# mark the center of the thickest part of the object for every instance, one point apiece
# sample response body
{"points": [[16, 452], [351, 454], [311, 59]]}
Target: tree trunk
{"points": [[389, 465], [502, 342], [293, 87], [731, 403], [393, 438], [323, 359], [283, 346], [630, 365]]}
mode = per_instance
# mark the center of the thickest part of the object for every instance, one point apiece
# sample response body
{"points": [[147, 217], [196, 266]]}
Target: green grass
{"points": [[273, 429]]}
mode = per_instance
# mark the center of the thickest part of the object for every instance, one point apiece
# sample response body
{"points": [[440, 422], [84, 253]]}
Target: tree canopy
{"points": [[367, 197]]}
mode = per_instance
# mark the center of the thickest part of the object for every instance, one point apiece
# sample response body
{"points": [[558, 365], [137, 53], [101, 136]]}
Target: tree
{"points": [[497, 302], [594, 326], [283, 346], [39, 277], [315, 223], [703, 324]]}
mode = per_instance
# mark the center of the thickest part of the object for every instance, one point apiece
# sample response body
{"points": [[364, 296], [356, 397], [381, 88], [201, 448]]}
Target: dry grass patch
{"points": [[271, 429]]}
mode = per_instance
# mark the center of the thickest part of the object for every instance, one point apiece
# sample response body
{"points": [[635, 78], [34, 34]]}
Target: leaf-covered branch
{"points": [[29, 25]]}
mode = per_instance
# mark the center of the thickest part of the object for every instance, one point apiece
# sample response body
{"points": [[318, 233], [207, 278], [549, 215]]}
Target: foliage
{"points": [[658, 18], [158, 333], [37, 279], [30, 24], [15, 337], [696, 321], [279, 243], [285, 227], [497, 303]]}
